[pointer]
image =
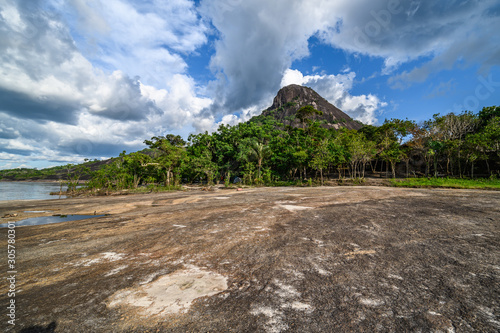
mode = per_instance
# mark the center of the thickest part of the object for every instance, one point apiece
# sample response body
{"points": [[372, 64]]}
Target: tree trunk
{"points": [[321, 173], [435, 166], [393, 167], [209, 178], [137, 180], [459, 164]]}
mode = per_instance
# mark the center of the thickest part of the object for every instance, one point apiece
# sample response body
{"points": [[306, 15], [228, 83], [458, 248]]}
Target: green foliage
{"points": [[170, 157], [265, 152], [227, 180], [252, 150], [305, 112], [74, 173], [204, 165], [478, 183], [29, 173], [487, 113]]}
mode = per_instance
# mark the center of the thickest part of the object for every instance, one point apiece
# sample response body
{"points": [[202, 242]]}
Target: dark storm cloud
{"points": [[88, 148], [20, 152], [24, 106], [260, 39], [258, 42], [8, 133]]}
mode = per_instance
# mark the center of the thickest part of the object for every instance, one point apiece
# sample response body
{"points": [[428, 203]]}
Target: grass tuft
{"points": [[478, 183]]}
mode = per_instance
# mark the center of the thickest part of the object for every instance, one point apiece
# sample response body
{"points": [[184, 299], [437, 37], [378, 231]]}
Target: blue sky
{"points": [[91, 78]]}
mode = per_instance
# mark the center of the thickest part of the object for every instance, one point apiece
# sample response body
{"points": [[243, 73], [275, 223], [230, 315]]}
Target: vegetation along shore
{"points": [[302, 140]]}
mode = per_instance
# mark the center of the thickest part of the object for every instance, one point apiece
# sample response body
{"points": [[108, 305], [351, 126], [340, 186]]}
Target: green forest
{"points": [[266, 152]]}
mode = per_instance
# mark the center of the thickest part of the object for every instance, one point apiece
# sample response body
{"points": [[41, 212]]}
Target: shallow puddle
{"points": [[49, 220]]}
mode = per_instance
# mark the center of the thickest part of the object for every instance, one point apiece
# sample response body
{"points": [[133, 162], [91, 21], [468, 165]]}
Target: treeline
{"points": [[68, 172], [24, 173], [264, 151], [29, 173]]}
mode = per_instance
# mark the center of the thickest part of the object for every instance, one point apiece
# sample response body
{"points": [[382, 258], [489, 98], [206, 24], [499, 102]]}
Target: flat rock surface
{"points": [[330, 259]]}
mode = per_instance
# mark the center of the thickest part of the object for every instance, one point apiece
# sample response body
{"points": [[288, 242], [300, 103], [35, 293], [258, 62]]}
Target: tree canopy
{"points": [[265, 151]]}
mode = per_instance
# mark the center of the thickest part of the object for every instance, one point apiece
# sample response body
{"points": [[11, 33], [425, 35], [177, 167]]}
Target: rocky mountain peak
{"points": [[291, 98], [295, 94]]}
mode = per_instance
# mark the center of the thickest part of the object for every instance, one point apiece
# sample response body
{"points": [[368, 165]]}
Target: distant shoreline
{"points": [[29, 181], [37, 181]]}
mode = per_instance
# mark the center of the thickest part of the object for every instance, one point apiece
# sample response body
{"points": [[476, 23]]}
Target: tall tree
{"points": [[453, 129], [203, 164], [390, 137], [136, 165], [253, 150], [321, 157], [171, 152]]}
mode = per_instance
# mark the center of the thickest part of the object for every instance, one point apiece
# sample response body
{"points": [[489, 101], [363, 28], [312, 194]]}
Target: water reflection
{"points": [[49, 219], [29, 191]]}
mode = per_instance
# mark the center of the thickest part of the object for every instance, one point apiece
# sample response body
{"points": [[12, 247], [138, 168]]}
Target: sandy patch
{"points": [[116, 270], [119, 208], [186, 200], [299, 306], [274, 322], [361, 252], [173, 293], [289, 296], [102, 257], [370, 302], [293, 208], [286, 291]]}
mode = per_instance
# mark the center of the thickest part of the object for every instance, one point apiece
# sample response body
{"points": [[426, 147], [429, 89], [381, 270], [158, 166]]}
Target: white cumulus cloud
{"points": [[57, 105]]}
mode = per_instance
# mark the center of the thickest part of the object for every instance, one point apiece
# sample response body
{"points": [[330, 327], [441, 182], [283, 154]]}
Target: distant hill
{"points": [[291, 98], [58, 172], [49, 174]]}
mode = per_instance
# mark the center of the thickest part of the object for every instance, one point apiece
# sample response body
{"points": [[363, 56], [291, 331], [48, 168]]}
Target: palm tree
{"points": [[257, 151], [260, 151]]}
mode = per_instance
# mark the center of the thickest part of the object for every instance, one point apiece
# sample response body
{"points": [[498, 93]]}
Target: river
{"points": [[29, 191]]}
